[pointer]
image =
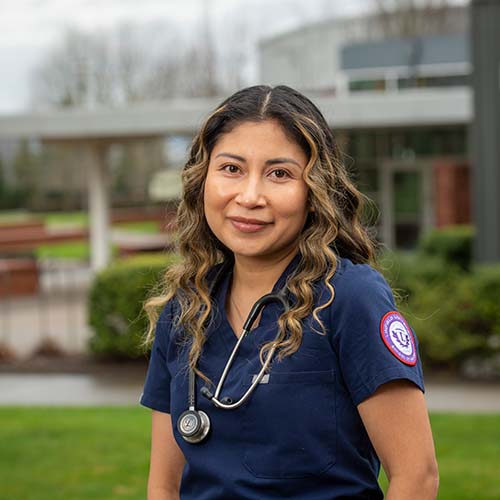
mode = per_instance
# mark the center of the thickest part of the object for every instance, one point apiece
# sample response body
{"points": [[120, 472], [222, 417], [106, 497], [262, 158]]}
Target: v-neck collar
{"points": [[223, 329]]}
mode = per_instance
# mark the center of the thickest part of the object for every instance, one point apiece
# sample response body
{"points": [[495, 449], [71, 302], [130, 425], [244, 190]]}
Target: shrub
{"points": [[466, 319], [454, 314], [407, 273], [116, 301], [453, 244]]}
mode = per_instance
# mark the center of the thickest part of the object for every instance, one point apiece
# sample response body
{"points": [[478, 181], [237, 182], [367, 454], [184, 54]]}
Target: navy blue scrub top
{"points": [[299, 436]]}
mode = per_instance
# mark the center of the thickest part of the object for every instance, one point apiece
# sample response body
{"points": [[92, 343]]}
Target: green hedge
{"points": [[116, 301], [454, 313], [453, 244]]}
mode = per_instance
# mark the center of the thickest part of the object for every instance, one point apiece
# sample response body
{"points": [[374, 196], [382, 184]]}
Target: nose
{"points": [[251, 194]]}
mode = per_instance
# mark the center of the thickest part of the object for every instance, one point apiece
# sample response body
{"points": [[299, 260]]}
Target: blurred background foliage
{"points": [[116, 301], [451, 304]]}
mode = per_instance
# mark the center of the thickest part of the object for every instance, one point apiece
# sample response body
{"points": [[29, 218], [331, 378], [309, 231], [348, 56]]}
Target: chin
{"points": [[246, 252]]}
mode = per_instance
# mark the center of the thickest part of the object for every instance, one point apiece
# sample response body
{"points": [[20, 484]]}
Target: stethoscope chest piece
{"points": [[193, 425]]}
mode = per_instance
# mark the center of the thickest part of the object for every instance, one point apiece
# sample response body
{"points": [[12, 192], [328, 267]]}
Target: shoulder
{"points": [[166, 320], [358, 279], [166, 313], [359, 290], [374, 342]]}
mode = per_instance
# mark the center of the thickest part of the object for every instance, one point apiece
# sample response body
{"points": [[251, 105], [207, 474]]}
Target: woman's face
{"points": [[255, 196]]}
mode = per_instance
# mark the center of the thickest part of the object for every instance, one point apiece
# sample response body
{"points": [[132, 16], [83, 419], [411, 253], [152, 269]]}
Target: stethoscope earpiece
{"points": [[206, 393]]}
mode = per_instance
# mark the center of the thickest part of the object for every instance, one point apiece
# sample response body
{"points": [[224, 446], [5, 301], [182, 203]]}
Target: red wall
{"points": [[452, 190]]}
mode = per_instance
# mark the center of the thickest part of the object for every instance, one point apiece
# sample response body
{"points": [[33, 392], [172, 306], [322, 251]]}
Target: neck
{"points": [[260, 275]]}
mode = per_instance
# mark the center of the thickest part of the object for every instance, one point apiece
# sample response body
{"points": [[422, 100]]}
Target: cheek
{"points": [[210, 194], [294, 205], [214, 202]]}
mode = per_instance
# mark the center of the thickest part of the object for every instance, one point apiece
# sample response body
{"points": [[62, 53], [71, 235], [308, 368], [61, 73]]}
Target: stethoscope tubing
{"points": [[194, 425], [248, 393], [254, 313]]}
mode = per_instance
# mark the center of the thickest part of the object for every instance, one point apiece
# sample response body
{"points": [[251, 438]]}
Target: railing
{"points": [[51, 317]]}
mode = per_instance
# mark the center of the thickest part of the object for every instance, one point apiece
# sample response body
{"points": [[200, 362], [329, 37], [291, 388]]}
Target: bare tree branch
{"points": [[410, 18], [125, 65]]}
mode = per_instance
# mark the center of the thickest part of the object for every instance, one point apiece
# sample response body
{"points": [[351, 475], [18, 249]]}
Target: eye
{"points": [[231, 169], [279, 173]]}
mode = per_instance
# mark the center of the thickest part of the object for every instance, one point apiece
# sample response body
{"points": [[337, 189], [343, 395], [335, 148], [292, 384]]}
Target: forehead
{"points": [[265, 138]]}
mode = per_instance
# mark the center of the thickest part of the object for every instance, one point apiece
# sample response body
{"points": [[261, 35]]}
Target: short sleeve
{"points": [[374, 342], [156, 393]]}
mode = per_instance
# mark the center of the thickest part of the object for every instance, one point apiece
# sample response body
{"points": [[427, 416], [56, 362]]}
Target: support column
{"points": [[99, 225], [485, 43]]}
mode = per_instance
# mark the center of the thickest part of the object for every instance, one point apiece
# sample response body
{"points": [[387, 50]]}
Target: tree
{"points": [[65, 77], [127, 64], [410, 18]]}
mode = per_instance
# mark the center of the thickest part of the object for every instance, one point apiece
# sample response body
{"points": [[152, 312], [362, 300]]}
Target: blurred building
{"points": [[413, 160], [399, 103], [52, 176]]}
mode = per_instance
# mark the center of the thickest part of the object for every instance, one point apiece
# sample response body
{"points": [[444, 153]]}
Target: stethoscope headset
{"points": [[194, 425]]}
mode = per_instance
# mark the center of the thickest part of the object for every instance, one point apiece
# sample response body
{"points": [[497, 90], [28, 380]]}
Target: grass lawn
{"points": [[78, 250], [72, 250], [77, 219], [73, 219], [103, 453]]}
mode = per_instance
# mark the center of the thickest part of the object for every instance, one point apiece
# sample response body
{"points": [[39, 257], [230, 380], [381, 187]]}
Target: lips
{"points": [[248, 225]]}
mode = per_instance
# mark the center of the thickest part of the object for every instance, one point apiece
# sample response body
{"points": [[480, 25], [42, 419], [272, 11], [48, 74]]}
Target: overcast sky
{"points": [[29, 28]]}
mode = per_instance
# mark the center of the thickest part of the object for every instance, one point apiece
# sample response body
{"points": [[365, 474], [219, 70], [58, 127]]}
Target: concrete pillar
{"points": [[485, 44], [99, 207]]}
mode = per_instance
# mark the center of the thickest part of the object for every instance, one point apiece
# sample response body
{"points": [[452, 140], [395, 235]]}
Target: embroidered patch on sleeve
{"points": [[398, 337]]}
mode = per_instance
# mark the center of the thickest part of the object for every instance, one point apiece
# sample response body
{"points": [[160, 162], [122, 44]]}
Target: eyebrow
{"points": [[272, 161]]}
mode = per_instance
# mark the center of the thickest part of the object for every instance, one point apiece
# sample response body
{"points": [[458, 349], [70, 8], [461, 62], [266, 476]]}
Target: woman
{"points": [[336, 383]]}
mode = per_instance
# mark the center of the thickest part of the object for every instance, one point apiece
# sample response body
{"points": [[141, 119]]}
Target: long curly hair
{"points": [[333, 228]]}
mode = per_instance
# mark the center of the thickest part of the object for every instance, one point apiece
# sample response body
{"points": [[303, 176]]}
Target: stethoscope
{"points": [[194, 425]]}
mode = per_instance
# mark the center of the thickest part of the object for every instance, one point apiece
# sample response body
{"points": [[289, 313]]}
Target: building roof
{"points": [[414, 107], [176, 116]]}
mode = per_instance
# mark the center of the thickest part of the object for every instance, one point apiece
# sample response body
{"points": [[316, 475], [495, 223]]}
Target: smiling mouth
{"points": [[248, 225]]}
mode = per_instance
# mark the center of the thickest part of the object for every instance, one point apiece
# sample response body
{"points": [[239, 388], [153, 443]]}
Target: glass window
{"points": [[359, 85], [382, 144], [407, 189], [420, 141], [407, 208], [433, 81], [362, 144]]}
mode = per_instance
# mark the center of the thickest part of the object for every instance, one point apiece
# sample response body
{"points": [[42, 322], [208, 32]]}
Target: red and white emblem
{"points": [[398, 337]]}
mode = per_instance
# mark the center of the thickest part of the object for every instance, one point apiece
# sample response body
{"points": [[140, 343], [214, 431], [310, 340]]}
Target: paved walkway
{"points": [[67, 390], [120, 389]]}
